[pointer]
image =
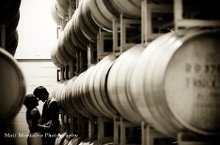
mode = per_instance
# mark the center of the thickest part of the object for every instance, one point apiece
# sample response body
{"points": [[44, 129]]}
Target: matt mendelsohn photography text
{"points": [[15, 135]]}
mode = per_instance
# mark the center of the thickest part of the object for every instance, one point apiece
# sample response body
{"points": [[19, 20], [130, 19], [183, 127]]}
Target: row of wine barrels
{"points": [[12, 86], [87, 93], [76, 35], [175, 84], [104, 11], [84, 25], [172, 84]]}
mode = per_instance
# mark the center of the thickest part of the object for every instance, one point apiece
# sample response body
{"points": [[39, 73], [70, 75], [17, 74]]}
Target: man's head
{"points": [[41, 93]]}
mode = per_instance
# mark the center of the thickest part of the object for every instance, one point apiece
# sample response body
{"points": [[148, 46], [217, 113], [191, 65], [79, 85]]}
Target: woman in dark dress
{"points": [[33, 119]]}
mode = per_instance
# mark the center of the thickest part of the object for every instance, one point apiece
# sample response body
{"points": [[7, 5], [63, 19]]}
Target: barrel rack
{"points": [[94, 127]]}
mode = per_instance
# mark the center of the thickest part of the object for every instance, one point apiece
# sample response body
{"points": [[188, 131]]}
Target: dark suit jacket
{"points": [[50, 116]]}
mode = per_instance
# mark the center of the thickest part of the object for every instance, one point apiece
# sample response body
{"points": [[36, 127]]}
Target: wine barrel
{"points": [[76, 96], [55, 14], [70, 47], [74, 141], [130, 8], [101, 17], [63, 6], [77, 35], [59, 93], [59, 10], [68, 97], [59, 140], [88, 26], [85, 93], [60, 52], [97, 86], [118, 80], [12, 86], [54, 57], [175, 84]]}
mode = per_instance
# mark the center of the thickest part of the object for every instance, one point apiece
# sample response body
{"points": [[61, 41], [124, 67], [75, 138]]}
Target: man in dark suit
{"points": [[50, 115]]}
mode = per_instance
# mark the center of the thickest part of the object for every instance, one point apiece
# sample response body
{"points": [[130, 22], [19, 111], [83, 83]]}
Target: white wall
{"points": [[36, 29]]}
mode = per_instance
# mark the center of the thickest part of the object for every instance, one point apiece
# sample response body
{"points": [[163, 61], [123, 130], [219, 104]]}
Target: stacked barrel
{"points": [[12, 85], [172, 84], [12, 81], [9, 18], [83, 25]]}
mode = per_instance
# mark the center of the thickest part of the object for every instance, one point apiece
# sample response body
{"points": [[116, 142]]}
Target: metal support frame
{"points": [[184, 138], [149, 135], [185, 23], [101, 129], [102, 37], [147, 9], [120, 126], [119, 33]]}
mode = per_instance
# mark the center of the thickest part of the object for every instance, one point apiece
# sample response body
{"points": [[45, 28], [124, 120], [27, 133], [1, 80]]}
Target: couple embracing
{"points": [[43, 129]]}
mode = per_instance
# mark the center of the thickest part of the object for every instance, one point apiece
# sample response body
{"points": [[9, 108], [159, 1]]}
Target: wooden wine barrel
{"points": [[63, 6], [74, 141], [80, 96], [12, 86], [117, 84], [55, 14], [99, 17], [97, 86], [62, 56], [87, 24], [54, 57], [68, 97], [76, 32], [76, 97], [175, 84], [59, 140], [85, 93], [69, 46], [59, 94], [59, 10], [130, 8]]}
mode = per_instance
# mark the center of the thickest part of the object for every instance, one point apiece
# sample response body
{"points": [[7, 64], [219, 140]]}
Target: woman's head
{"points": [[30, 101]]}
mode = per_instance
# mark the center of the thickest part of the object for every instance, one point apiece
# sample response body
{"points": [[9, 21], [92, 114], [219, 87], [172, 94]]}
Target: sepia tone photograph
{"points": [[109, 72]]}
